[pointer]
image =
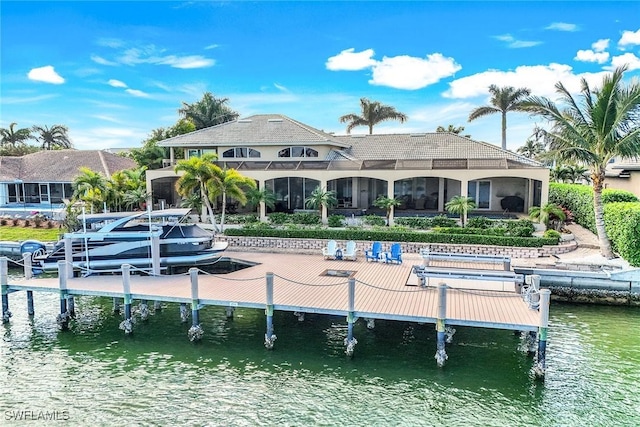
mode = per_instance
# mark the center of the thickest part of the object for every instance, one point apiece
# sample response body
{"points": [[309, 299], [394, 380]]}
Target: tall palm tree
{"points": [[194, 201], [199, 174], [460, 205], [531, 149], [322, 200], [91, 187], [593, 128], [503, 100], [12, 137], [208, 111], [53, 137], [230, 182], [372, 113]]}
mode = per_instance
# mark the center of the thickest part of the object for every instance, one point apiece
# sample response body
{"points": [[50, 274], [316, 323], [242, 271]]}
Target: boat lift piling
{"points": [[4, 284], [127, 324], [269, 337], [28, 274], [540, 367], [441, 355], [63, 317], [195, 331]]}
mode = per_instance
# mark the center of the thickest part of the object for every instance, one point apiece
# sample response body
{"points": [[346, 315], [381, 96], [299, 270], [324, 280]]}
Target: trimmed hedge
{"points": [[393, 236], [622, 222]]}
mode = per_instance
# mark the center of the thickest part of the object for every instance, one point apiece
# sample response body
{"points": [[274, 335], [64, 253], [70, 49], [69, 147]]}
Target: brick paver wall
{"points": [[314, 246]]}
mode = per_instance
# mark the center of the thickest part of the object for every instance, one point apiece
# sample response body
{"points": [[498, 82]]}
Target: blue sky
{"points": [[113, 71]]}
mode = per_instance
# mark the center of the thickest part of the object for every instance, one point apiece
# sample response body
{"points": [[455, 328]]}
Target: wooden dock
{"points": [[311, 284]]}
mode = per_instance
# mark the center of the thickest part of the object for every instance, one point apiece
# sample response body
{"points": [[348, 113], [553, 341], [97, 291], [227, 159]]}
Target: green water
{"points": [[95, 375]]}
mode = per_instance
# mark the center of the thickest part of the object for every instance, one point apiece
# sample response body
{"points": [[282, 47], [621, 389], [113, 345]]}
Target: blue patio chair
{"points": [[329, 252], [394, 255], [350, 251], [374, 253]]}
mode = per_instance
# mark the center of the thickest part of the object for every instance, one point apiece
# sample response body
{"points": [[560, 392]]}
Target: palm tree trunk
{"points": [[598, 208], [370, 128], [504, 130], [205, 199], [224, 208]]}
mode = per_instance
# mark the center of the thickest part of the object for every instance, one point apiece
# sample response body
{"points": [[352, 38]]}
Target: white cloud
{"points": [[184, 62], [400, 72], [25, 100], [211, 46], [628, 58], [107, 137], [600, 45], [562, 26], [513, 43], [45, 74], [349, 60], [591, 56], [541, 79], [110, 42], [100, 60], [137, 93], [116, 83], [281, 88], [407, 72], [106, 118], [629, 38]]}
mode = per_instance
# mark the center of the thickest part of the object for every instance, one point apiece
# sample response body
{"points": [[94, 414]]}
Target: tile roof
{"points": [[60, 165], [260, 129], [436, 145]]}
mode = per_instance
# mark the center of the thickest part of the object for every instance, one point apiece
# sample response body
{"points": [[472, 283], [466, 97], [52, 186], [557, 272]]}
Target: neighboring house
{"points": [[42, 180], [624, 175], [423, 170]]}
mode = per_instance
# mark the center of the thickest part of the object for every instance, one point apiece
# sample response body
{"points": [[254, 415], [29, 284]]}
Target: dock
{"points": [[310, 284]]}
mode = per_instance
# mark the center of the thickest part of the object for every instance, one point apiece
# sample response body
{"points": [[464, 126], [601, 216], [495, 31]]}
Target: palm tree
{"points": [[387, 203], [559, 173], [194, 202], [592, 129], [548, 213], [460, 205], [199, 174], [531, 149], [372, 113], [91, 187], [209, 111], [322, 200], [230, 182], [136, 198], [452, 129], [53, 137], [503, 99], [11, 137], [258, 197]]}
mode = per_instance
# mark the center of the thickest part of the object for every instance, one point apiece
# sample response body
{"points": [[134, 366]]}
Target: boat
{"points": [[109, 240]]}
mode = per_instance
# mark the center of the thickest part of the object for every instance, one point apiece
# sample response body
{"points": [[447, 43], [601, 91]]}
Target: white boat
{"points": [[107, 241]]}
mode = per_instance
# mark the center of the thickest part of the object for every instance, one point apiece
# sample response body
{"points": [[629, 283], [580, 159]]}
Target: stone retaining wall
{"points": [[314, 246]]}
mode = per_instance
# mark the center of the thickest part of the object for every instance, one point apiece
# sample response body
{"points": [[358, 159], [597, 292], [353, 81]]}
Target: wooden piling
{"points": [[63, 317], [441, 354], [350, 341], [127, 324], [269, 337], [27, 264], [4, 285], [541, 364], [195, 331]]}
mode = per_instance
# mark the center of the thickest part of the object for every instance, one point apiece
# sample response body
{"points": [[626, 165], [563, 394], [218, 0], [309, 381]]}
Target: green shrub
{"points": [[443, 221], [497, 231], [551, 234], [374, 220], [421, 223], [335, 220], [519, 225], [479, 222], [240, 218], [622, 222], [304, 218], [278, 218], [610, 195], [521, 232]]}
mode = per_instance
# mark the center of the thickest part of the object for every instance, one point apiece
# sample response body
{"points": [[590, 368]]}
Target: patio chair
{"points": [[329, 252], [373, 253], [394, 255], [350, 251]]}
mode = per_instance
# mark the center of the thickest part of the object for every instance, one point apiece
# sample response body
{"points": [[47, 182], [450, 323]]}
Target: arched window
{"points": [[298, 151]]}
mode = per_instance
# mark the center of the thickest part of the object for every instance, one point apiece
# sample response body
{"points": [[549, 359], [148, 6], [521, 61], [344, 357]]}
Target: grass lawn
{"points": [[18, 234]]}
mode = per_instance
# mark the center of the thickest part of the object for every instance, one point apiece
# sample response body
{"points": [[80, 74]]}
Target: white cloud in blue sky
{"points": [[629, 38], [46, 74], [562, 26], [514, 43], [116, 83]]}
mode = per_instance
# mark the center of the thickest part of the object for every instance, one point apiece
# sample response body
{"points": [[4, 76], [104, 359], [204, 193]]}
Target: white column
{"points": [[390, 185], [544, 197], [441, 182]]}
